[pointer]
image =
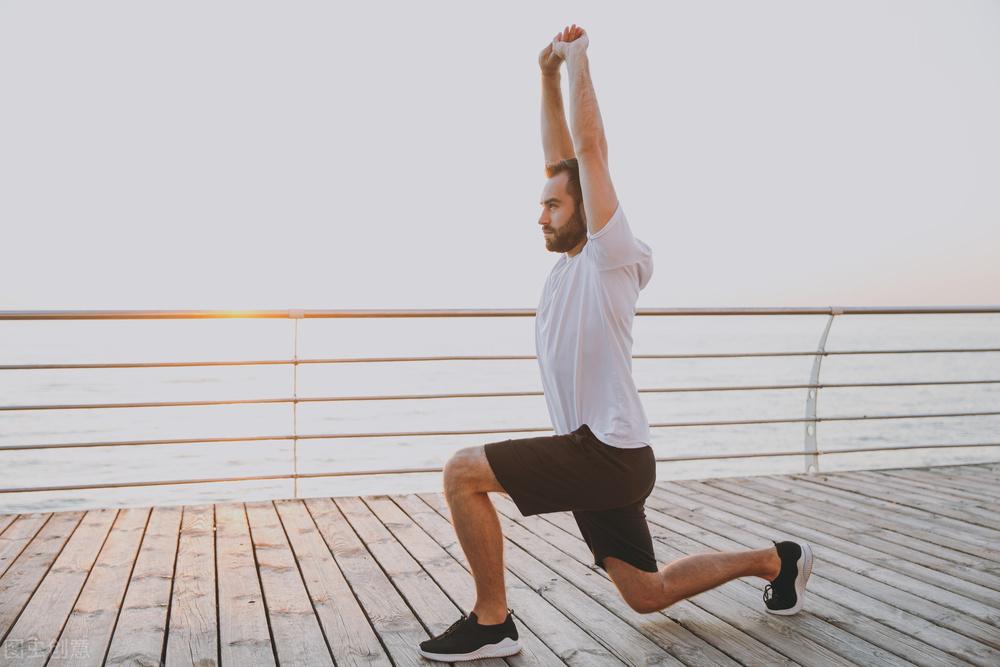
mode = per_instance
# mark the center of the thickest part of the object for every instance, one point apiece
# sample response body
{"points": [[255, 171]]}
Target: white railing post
{"points": [[811, 462], [295, 316]]}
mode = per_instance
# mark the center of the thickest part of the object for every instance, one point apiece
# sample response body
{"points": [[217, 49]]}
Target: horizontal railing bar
{"points": [[907, 447], [798, 452], [400, 434], [472, 312], [165, 482], [399, 471], [501, 394], [822, 419], [142, 443], [160, 404], [144, 364], [494, 357], [932, 350]]}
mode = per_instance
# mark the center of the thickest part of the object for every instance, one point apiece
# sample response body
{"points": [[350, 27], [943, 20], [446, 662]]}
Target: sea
{"points": [[346, 461]]}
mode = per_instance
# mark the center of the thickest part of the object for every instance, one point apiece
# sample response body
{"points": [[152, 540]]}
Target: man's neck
{"points": [[574, 251]]}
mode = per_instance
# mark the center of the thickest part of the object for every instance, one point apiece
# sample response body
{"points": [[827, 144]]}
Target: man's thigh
{"points": [[470, 470]]}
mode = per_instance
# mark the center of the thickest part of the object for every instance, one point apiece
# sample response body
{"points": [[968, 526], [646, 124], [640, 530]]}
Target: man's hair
{"points": [[571, 167]]}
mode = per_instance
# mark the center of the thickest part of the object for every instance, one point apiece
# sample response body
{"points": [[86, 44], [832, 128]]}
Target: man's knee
{"points": [[643, 591], [646, 602], [455, 471], [463, 471]]}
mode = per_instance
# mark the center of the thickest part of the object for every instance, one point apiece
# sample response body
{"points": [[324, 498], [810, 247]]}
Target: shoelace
{"points": [[768, 589], [454, 626]]}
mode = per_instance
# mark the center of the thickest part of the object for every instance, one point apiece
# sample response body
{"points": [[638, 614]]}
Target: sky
{"points": [[239, 155]]}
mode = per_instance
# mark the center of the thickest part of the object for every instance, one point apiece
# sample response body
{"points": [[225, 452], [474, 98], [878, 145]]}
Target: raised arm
{"points": [[599, 197], [557, 144]]}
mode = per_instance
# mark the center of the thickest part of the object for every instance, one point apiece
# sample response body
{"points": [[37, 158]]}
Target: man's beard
{"points": [[567, 238]]}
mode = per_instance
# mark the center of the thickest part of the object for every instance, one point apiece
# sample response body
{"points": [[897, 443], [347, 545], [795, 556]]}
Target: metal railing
{"points": [[811, 450]]}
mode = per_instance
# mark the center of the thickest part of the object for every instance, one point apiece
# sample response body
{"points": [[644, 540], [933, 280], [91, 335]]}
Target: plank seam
{"points": [[128, 584], [507, 570], [260, 582], [663, 613], [27, 601], [347, 581], [383, 570], [25, 545], [173, 577], [218, 601], [305, 585], [90, 571], [952, 630], [600, 640]]}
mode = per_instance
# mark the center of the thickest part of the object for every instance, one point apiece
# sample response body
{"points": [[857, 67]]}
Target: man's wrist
{"points": [[551, 74], [573, 61]]}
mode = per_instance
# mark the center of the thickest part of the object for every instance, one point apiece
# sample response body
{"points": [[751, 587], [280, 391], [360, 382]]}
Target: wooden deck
{"points": [[907, 572]]}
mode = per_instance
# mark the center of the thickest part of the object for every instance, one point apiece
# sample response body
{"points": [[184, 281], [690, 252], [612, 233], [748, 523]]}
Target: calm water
{"points": [[216, 340]]}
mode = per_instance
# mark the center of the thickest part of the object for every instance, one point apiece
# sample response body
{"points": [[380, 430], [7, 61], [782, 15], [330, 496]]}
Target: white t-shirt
{"points": [[583, 336]]}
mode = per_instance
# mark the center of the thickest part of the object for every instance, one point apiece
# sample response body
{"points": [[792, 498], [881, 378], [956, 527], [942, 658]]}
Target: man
{"points": [[599, 464]]}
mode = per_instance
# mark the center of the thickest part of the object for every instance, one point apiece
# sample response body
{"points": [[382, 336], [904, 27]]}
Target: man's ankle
{"points": [[773, 568], [490, 616]]}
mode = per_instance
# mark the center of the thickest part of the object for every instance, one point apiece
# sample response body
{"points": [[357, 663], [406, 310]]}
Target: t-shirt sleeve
{"points": [[615, 246]]}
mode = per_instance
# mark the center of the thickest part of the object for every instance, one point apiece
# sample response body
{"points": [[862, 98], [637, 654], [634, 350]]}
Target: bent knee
{"points": [[646, 604], [462, 470]]}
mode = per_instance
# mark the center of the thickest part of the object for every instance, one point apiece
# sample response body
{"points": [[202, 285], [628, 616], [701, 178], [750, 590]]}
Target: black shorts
{"points": [[605, 487]]}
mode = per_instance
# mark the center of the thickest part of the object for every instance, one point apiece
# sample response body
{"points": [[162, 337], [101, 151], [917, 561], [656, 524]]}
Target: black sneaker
{"points": [[784, 594], [466, 639]]}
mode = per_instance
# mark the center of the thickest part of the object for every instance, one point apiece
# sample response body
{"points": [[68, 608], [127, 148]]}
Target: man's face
{"points": [[562, 225]]}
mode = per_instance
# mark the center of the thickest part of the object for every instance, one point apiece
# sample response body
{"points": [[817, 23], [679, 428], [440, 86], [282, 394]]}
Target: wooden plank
{"points": [[17, 535], [964, 490], [298, 637], [87, 633], [684, 516], [34, 635], [351, 637], [623, 640], [430, 605], [399, 629], [569, 555], [882, 644], [939, 587], [244, 633], [977, 472], [953, 633], [983, 526], [828, 599], [959, 487], [844, 525], [893, 527], [6, 520], [449, 574], [193, 610], [23, 576], [568, 641], [966, 517], [873, 644], [140, 632], [959, 532], [805, 638], [663, 628], [924, 491]]}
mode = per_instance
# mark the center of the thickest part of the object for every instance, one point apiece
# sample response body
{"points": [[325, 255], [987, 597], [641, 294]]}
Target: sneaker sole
{"points": [[499, 650], [805, 566]]}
